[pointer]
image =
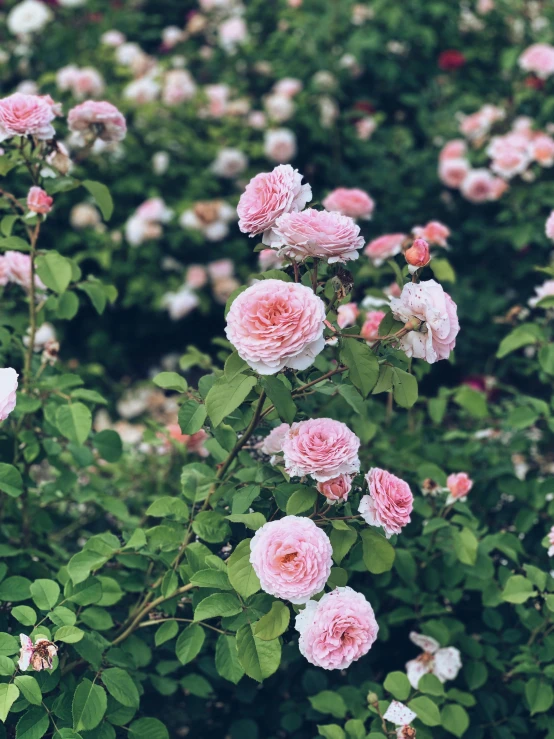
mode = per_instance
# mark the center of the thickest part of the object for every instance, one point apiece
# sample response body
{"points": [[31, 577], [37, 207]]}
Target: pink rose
{"points": [[317, 233], [99, 119], [350, 202], [179, 87], [8, 386], [39, 655], [546, 290], [292, 558], [389, 503], [4, 274], [39, 201], [417, 255], [434, 232], [365, 127], [427, 302], [196, 276], [180, 303], [336, 489], [459, 485], [337, 630], [232, 33], [478, 124], [510, 155], [18, 267], [26, 115], [269, 195], [370, 329], [273, 442], [275, 324], [452, 172], [221, 269], [384, 247], [322, 448], [539, 59], [269, 259], [155, 210], [549, 226], [542, 150], [288, 86], [479, 186], [280, 145], [455, 149], [218, 97], [347, 315]]}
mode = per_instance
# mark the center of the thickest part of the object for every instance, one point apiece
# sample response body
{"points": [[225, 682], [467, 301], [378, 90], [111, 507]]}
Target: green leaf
{"points": [[234, 365], [225, 396], [398, 684], [9, 693], [274, 623], [30, 689], [45, 594], [539, 695], [171, 381], [109, 445], [102, 196], [166, 632], [7, 666], [465, 546], [327, 701], [378, 552], [218, 605], [342, 540], [427, 711], [362, 365], [191, 416], [430, 684], [301, 500], [227, 659], [8, 645], [259, 658], [241, 573], [442, 270], [454, 719], [253, 521], [168, 507], [25, 615], [69, 634], [96, 292], [404, 388], [281, 397], [10, 480], [74, 422], [331, 731], [33, 724], [216, 579], [15, 588], [211, 526], [148, 728], [120, 686], [518, 589], [521, 336], [546, 359], [54, 270], [189, 643], [89, 705], [244, 497]]}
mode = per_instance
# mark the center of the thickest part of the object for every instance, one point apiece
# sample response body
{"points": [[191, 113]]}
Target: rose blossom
{"points": [[280, 145], [18, 267], [232, 33], [417, 255], [28, 17], [269, 195], [351, 202], [292, 558], [288, 86], [275, 324], [542, 150], [384, 247], [4, 275], [39, 656], [26, 115], [452, 172], [478, 124], [38, 201], [370, 328], [427, 302], [389, 503], [113, 38], [539, 59], [455, 149], [322, 448], [546, 290], [273, 442], [221, 269], [98, 118], [444, 663], [510, 155], [8, 386], [337, 630], [336, 489], [181, 303], [196, 276], [365, 127], [459, 485], [229, 163], [347, 315], [179, 87], [434, 232], [551, 542], [279, 108], [479, 186], [269, 259]]}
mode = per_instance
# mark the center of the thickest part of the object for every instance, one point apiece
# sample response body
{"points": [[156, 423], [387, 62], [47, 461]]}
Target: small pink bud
{"points": [[39, 201], [418, 254]]}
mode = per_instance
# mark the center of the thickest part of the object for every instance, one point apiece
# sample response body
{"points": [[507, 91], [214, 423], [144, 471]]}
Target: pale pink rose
{"points": [[269, 195], [218, 97], [551, 542], [370, 328], [393, 290], [322, 448], [485, 6], [232, 33], [113, 38], [549, 226], [66, 77], [4, 274], [223, 288], [279, 108], [455, 149], [337, 630], [257, 120], [478, 124], [181, 303], [87, 81], [8, 386], [459, 485], [539, 59], [39, 655], [400, 715], [426, 301], [336, 489], [38, 201], [280, 145], [269, 259], [452, 172], [384, 247], [417, 255], [154, 209], [179, 87], [350, 202], [99, 119], [478, 186], [434, 232], [26, 115], [443, 662], [292, 558], [542, 150], [347, 315], [142, 91], [275, 324], [273, 442], [365, 127], [171, 36], [498, 188], [288, 86], [221, 269], [546, 290], [18, 267], [510, 155], [196, 276], [229, 163], [317, 233], [389, 503]]}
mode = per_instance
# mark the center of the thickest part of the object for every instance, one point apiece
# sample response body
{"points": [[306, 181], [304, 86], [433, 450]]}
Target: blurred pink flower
{"points": [[370, 328], [351, 202], [99, 119], [8, 386], [347, 315], [459, 485], [539, 59], [384, 247], [38, 201]]}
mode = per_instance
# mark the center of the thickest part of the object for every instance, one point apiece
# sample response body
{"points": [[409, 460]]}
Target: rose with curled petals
{"points": [[389, 503], [26, 115], [322, 448]]}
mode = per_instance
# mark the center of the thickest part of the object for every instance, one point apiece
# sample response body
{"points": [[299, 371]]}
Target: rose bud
{"points": [[417, 255]]}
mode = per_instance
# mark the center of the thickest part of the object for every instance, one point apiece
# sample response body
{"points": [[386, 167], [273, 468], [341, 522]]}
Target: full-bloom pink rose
{"points": [[351, 202], [8, 386], [542, 150], [336, 489], [275, 324], [434, 232], [459, 485], [280, 145], [455, 149], [292, 558], [384, 247], [546, 290], [98, 118], [322, 448], [269, 195], [38, 201], [179, 86], [452, 172], [549, 226], [370, 328], [347, 315], [479, 186], [539, 59], [26, 115], [317, 233], [337, 630], [273, 442], [478, 124], [389, 503], [288, 86], [18, 267], [427, 302], [510, 154]]}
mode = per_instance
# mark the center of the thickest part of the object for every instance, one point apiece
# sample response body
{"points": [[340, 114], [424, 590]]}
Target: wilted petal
{"points": [[415, 669], [427, 643], [447, 664]]}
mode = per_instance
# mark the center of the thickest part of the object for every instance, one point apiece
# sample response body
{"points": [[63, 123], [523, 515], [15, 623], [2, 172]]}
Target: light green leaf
{"points": [[148, 728], [218, 605], [54, 270], [89, 705], [327, 701], [259, 658], [274, 623], [171, 381], [189, 643], [45, 594], [121, 687], [69, 634], [227, 659], [225, 396], [74, 422], [362, 365], [10, 480], [33, 724], [241, 573], [301, 500], [102, 196], [404, 388], [427, 711], [398, 684], [30, 689], [192, 416], [454, 719], [539, 695], [281, 397], [9, 693], [518, 589], [465, 546], [378, 552], [253, 521]]}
